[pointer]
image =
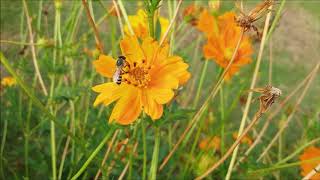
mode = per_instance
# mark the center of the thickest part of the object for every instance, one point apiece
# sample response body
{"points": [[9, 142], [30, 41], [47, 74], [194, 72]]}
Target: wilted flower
{"points": [[8, 81], [222, 36], [210, 143], [245, 140], [310, 153], [149, 83], [139, 24]]}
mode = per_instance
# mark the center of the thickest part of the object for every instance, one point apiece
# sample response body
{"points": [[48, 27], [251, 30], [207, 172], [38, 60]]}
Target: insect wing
{"points": [[116, 75], [260, 9]]}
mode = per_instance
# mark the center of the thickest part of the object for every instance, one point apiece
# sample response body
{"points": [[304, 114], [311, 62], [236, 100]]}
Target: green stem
{"points": [[222, 119], [151, 24], [276, 19], [155, 155], [3, 142], [203, 74], [53, 151], [132, 151], [144, 166], [93, 154], [273, 168]]}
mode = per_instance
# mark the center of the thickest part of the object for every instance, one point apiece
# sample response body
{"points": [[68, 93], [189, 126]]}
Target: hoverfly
{"points": [[120, 65], [246, 20]]}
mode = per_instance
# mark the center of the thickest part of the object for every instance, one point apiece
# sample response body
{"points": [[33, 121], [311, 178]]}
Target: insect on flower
{"points": [[120, 65], [246, 20], [144, 79]]}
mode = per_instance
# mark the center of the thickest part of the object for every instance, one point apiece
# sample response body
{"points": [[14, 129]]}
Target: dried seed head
{"points": [[269, 94]]}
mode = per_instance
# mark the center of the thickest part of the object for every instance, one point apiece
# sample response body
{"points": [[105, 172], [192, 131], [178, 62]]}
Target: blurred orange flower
{"points": [[222, 36], [149, 83], [191, 14], [8, 81], [210, 143], [139, 24], [310, 153], [245, 140]]}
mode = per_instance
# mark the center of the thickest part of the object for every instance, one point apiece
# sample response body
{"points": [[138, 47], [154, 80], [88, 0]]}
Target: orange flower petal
{"points": [[109, 92], [165, 81], [174, 66], [105, 65], [154, 55], [207, 23], [130, 48], [161, 96], [128, 107], [150, 106]]}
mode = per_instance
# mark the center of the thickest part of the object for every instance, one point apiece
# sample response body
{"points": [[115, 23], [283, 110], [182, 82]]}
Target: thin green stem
{"points": [[93, 154], [144, 140], [276, 19], [3, 142], [222, 117], [132, 152], [202, 77], [155, 155], [273, 168]]}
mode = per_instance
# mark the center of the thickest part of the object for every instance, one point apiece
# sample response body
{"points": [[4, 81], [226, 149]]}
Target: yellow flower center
{"points": [[138, 75], [228, 52]]}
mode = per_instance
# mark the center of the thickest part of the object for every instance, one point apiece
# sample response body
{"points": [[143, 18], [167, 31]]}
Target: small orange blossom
{"points": [[210, 143], [8, 81], [222, 35], [149, 83], [245, 140]]}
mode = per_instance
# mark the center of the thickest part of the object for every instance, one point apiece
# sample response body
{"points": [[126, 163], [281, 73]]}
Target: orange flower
{"points": [[210, 143], [139, 24], [191, 14], [310, 153], [149, 83], [245, 140], [222, 36], [8, 81]]}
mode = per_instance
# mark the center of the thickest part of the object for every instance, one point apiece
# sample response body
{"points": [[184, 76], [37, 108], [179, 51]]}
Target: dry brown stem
{"points": [[95, 29]]}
